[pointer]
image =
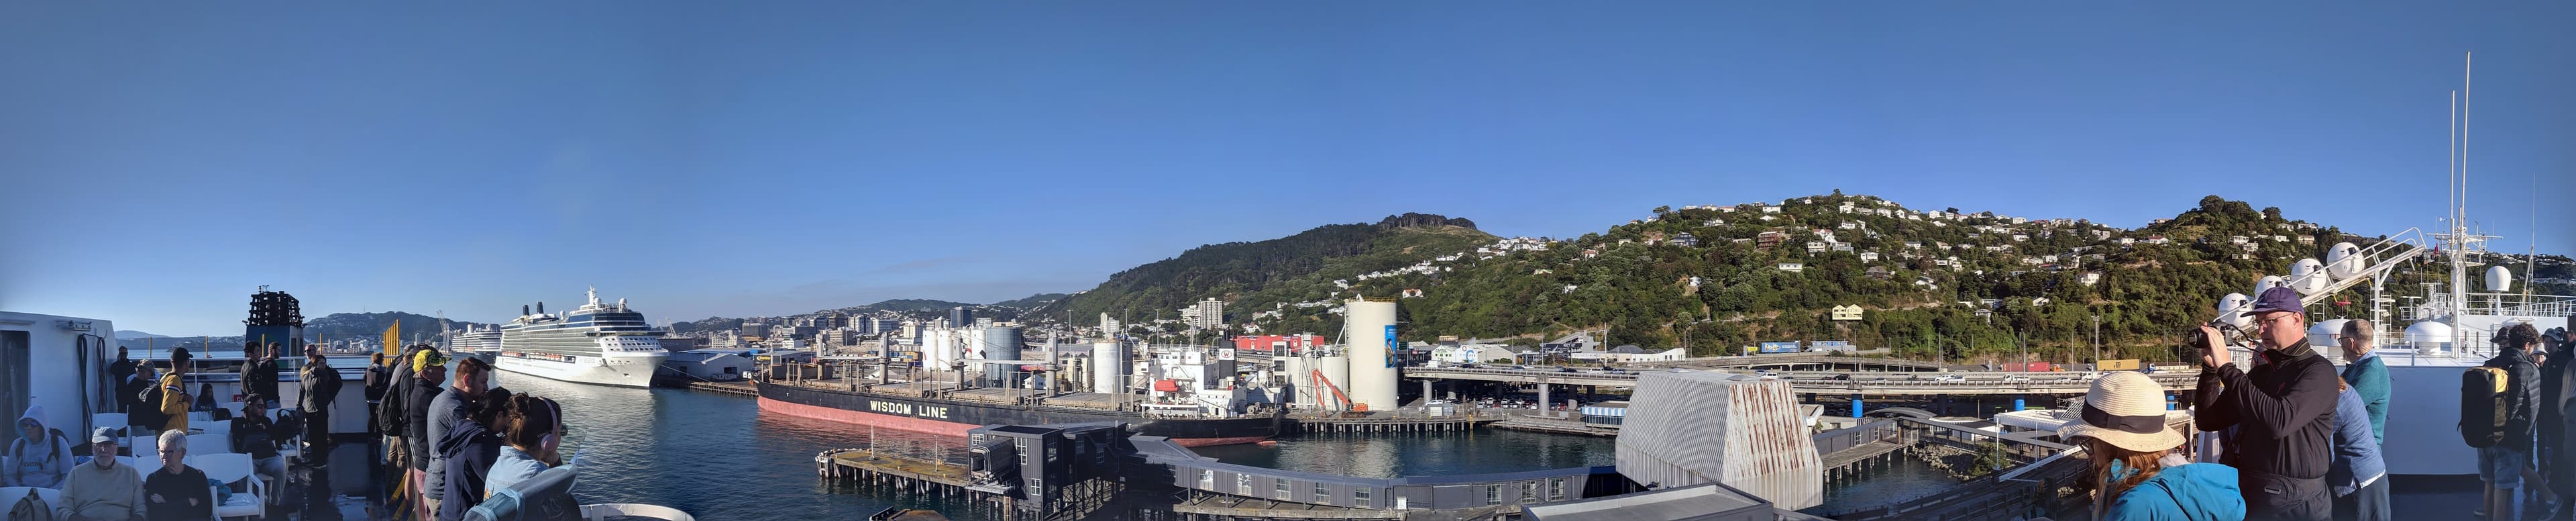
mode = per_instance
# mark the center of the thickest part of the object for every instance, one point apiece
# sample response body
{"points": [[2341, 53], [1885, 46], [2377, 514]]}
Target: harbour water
{"points": [[718, 457]]}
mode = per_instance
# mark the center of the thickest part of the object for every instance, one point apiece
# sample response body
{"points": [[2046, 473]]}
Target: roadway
{"points": [[1828, 383]]}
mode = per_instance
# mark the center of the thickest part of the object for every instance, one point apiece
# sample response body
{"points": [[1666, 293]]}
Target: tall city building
{"points": [[960, 317], [1210, 313]]}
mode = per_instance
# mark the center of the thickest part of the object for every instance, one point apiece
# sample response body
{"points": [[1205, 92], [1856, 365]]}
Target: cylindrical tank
{"points": [[1369, 329], [1295, 365], [1337, 375], [2308, 276], [2344, 260], [2499, 279], [2429, 336], [2232, 307], [1108, 366]]}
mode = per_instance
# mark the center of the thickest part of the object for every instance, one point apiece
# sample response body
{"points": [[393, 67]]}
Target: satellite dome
{"points": [[2499, 279], [2429, 335], [2344, 260], [2268, 282], [2230, 307], [2308, 276], [2326, 332]]}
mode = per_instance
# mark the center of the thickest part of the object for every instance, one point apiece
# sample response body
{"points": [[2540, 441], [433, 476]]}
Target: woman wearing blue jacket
{"points": [[2135, 475]]}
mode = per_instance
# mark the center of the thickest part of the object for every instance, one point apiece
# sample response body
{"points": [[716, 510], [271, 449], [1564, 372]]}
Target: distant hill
{"points": [[1263, 274], [122, 334], [1032, 301], [372, 325]]}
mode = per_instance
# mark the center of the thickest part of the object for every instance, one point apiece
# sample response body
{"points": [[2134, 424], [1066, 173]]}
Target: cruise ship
{"points": [[479, 342], [604, 344]]}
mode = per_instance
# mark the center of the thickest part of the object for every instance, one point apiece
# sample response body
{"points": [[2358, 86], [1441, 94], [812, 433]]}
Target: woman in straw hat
{"points": [[2135, 474]]}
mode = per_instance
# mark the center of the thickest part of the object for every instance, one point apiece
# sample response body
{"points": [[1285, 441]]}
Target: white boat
{"points": [[482, 343], [604, 344]]}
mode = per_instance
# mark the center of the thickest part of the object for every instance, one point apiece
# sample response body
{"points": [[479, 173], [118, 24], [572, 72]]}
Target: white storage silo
{"points": [[1298, 378], [1368, 331], [1108, 366], [1337, 376]]}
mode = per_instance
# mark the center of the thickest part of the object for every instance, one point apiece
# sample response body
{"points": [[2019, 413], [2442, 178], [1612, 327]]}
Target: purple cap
{"points": [[2277, 299]]}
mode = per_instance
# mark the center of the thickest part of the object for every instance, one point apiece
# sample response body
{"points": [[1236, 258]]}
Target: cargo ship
{"points": [[913, 407], [1195, 400]]}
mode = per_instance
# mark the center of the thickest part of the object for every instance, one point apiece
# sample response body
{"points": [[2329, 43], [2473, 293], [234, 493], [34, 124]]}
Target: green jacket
{"points": [[2369, 377]]}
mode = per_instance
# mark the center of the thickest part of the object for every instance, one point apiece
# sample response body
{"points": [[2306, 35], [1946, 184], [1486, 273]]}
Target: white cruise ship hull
{"points": [[621, 369]]}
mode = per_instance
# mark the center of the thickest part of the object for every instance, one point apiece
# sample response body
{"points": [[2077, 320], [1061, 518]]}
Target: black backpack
{"points": [[2483, 409]]}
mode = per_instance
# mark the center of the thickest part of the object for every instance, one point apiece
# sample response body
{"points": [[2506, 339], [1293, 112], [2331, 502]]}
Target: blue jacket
{"points": [[2369, 376], [2195, 492], [2356, 448]]}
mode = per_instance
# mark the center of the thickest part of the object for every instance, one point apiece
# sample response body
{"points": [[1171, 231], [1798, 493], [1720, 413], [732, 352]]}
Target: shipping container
{"points": [[1832, 345], [1779, 347], [1606, 413], [2117, 365], [2031, 367]]}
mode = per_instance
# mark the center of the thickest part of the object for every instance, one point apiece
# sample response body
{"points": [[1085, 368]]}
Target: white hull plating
{"points": [[619, 370]]}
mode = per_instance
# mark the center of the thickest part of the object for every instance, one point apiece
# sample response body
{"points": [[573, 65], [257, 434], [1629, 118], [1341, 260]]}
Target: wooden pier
{"points": [[1555, 426], [1333, 425], [733, 388]]}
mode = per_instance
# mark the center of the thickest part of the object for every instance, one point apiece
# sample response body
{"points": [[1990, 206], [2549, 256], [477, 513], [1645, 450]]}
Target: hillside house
{"points": [[1878, 272], [1411, 293], [2090, 278], [1869, 256], [1770, 209], [1766, 240], [1815, 246], [2125, 241], [2158, 239], [1793, 267], [1844, 247], [1589, 253], [1686, 240]]}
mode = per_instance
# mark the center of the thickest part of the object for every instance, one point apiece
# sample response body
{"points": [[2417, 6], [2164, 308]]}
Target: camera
{"points": [[2196, 343]]}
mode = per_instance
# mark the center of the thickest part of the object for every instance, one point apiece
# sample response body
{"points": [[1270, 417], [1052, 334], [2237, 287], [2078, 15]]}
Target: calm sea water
{"points": [[718, 457]]}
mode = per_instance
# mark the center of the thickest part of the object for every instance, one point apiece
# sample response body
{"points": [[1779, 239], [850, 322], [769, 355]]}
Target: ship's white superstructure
{"points": [[478, 342], [604, 344]]}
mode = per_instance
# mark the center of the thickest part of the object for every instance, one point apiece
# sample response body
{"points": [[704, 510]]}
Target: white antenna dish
{"points": [[2345, 261], [2499, 279], [2231, 308], [2268, 282], [2308, 276]]}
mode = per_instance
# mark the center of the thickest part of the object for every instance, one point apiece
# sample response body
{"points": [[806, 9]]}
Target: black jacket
{"points": [[2285, 411], [418, 394], [260, 377], [2553, 420], [2522, 397]]}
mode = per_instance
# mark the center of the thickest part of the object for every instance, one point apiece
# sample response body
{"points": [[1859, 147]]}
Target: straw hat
{"points": [[2126, 410]]}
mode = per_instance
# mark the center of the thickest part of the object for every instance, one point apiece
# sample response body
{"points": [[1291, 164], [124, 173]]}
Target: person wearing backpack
{"points": [[2135, 475], [2498, 411], [2284, 410], [174, 392], [43, 456]]}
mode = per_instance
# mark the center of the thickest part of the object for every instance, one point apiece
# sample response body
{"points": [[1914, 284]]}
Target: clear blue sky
{"points": [[162, 160]]}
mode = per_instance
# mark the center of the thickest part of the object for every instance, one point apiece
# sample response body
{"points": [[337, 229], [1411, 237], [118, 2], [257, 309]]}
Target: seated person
{"points": [[256, 435], [177, 492], [42, 457], [103, 489]]}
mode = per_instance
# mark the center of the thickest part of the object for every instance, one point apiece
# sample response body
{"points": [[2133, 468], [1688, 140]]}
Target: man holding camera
{"points": [[2283, 411]]}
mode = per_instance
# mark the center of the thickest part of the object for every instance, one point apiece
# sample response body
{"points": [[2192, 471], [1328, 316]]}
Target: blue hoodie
{"points": [[2194, 492], [2356, 447]]}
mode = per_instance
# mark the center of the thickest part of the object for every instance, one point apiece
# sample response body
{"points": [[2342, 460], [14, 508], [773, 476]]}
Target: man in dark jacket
{"points": [[321, 387], [2552, 455], [2284, 412], [2502, 466], [259, 375], [430, 370]]}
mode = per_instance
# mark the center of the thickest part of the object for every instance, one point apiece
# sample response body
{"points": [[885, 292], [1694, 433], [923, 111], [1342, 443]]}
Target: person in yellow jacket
{"points": [[174, 393]]}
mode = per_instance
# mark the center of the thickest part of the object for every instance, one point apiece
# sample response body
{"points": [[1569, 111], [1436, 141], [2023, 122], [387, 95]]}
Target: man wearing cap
{"points": [[2284, 410], [103, 489]]}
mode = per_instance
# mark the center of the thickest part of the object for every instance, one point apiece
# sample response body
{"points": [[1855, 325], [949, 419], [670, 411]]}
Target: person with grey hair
{"points": [[177, 492], [2367, 374]]}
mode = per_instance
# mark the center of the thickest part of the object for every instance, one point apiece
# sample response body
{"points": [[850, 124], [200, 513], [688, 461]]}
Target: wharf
{"points": [[1557, 426], [1328, 424], [732, 388], [912, 475]]}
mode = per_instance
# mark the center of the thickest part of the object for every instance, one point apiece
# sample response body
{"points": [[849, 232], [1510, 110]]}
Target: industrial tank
{"points": [[1108, 366], [1000, 343], [1369, 334], [1298, 378]]}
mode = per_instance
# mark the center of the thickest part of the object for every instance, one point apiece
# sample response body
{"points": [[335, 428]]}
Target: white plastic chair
{"points": [[209, 444], [147, 447], [112, 420], [234, 471], [143, 466]]}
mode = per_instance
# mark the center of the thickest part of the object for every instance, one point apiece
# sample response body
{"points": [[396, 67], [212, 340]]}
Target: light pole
{"points": [[2097, 343]]}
